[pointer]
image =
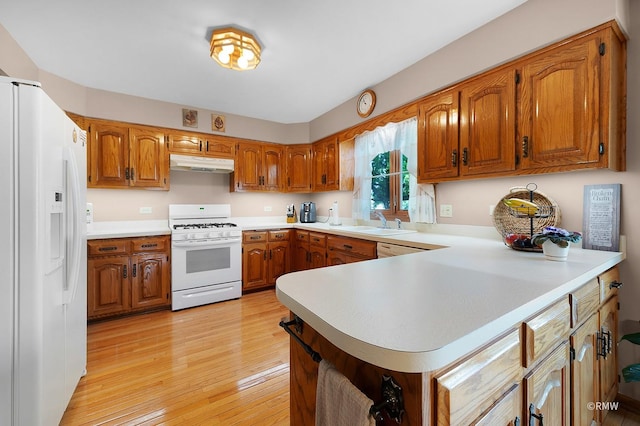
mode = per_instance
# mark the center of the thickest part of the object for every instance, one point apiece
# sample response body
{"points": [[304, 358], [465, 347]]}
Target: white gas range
{"points": [[206, 251]]}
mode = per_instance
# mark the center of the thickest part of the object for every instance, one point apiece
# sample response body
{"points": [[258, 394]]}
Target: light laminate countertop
{"points": [[419, 312], [131, 228]]}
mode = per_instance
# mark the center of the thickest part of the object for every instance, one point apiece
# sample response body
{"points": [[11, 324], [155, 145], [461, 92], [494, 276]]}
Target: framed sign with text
{"points": [[601, 217]]}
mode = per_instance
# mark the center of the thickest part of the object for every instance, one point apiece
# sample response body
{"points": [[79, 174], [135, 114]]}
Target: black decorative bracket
{"points": [[392, 401], [297, 324]]}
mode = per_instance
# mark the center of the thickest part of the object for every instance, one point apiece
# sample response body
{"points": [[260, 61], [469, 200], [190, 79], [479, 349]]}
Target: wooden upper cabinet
{"points": [[185, 143], [259, 167], [272, 167], [299, 168], [149, 162], [326, 165], [125, 157], [201, 145], [559, 107], [438, 153], [487, 124], [108, 155]]}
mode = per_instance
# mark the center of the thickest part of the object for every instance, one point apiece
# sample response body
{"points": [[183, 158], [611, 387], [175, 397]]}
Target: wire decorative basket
{"points": [[523, 222]]}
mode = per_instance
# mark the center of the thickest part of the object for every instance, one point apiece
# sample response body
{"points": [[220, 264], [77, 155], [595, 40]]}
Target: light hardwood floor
{"points": [[220, 364]]}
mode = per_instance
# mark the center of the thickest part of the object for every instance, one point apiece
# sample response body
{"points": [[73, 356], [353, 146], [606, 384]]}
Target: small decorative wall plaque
{"points": [[189, 117], [217, 122], [601, 217]]}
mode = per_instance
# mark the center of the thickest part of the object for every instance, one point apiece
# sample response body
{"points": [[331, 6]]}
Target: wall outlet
{"points": [[267, 208], [492, 207], [146, 210], [446, 210]]}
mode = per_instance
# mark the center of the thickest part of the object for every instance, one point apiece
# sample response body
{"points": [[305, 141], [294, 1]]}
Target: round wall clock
{"points": [[366, 103]]}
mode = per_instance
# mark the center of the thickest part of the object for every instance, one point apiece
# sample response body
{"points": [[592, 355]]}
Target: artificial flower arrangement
{"points": [[558, 236]]}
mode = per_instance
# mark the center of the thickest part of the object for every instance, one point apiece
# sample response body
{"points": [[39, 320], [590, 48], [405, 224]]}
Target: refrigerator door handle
{"points": [[72, 267]]}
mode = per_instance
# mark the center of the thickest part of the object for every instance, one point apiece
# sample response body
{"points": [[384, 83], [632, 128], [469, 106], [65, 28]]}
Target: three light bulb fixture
{"points": [[235, 49]]}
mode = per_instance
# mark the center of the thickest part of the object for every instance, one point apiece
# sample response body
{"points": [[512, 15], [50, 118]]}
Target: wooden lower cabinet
{"points": [[544, 371], [584, 364], [547, 390], [342, 250], [126, 275], [266, 255], [608, 352], [474, 386], [310, 250]]}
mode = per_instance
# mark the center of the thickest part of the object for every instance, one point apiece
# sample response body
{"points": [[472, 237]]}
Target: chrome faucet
{"points": [[399, 222], [382, 219]]}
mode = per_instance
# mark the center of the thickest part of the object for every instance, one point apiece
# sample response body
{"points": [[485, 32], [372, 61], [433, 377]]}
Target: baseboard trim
{"points": [[629, 403]]}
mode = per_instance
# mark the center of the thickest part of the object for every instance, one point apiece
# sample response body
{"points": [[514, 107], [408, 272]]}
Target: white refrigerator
{"points": [[43, 257]]}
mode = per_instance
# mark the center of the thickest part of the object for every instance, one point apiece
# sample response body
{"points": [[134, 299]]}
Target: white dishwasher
{"points": [[388, 250]]}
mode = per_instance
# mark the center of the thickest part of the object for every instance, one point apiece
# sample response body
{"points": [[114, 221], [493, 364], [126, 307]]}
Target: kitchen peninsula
{"points": [[474, 329]]}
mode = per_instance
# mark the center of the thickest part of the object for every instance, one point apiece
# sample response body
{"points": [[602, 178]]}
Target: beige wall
{"points": [[534, 24]]}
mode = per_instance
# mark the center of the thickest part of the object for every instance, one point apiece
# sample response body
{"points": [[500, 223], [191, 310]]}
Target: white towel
{"points": [[338, 401]]}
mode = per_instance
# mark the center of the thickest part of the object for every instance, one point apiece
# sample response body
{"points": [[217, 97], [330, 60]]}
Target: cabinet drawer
{"points": [[319, 240], [606, 280], [279, 235], [545, 331], [352, 246], [584, 302], [150, 244], [107, 247], [254, 237], [475, 385], [302, 236]]}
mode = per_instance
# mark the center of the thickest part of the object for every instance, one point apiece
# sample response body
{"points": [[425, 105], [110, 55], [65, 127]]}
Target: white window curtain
{"points": [[404, 137]]}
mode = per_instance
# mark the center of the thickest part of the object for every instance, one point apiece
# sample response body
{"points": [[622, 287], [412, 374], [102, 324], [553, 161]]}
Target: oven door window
{"points": [[211, 259]]}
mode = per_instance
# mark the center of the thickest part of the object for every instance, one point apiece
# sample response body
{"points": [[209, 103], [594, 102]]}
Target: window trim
{"points": [[395, 190]]}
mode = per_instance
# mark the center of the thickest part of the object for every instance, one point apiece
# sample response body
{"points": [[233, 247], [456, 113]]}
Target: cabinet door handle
{"points": [[135, 270], [110, 248], [525, 146], [207, 146], [454, 158], [465, 156], [254, 237], [200, 149], [126, 173], [615, 284], [132, 173], [265, 255], [533, 417], [151, 245], [124, 271], [603, 342], [347, 246]]}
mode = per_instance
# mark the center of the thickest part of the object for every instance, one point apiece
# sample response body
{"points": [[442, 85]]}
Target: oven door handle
{"points": [[202, 245]]}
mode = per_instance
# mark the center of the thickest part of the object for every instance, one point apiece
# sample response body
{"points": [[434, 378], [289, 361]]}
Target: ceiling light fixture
{"points": [[235, 49]]}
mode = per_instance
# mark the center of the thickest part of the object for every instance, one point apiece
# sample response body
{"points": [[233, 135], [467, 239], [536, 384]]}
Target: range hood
{"points": [[201, 164]]}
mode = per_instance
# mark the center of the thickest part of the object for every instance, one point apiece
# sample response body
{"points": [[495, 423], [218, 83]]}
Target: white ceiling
{"points": [[316, 54]]}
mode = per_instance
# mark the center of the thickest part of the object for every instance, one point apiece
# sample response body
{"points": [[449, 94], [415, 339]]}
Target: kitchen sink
{"points": [[372, 230]]}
